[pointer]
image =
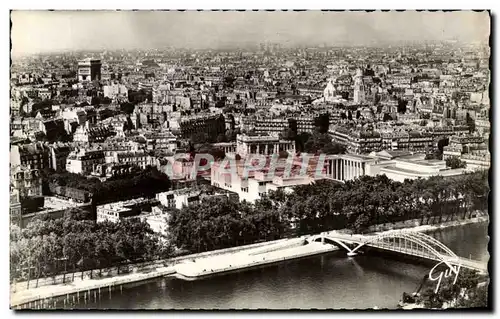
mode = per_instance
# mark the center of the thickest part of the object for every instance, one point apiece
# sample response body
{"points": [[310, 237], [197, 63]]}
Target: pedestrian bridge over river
{"points": [[404, 242]]}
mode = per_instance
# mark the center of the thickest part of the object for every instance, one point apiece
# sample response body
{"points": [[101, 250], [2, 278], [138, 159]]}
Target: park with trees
{"points": [[146, 183], [455, 162]]}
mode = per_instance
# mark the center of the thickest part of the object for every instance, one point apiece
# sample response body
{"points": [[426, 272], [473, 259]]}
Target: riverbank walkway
{"points": [[250, 258], [30, 298]]}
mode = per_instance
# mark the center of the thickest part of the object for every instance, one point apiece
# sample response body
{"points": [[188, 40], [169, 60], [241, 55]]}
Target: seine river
{"points": [[326, 281]]}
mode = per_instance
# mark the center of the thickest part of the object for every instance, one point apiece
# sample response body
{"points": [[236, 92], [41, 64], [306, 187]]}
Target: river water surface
{"points": [[326, 281]]}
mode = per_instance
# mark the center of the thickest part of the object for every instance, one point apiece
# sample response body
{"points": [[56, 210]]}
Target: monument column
{"points": [[339, 167], [339, 177], [349, 169], [346, 169], [342, 164], [352, 169]]}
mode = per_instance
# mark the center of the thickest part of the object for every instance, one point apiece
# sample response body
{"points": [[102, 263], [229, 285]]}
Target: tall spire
{"points": [[359, 89]]}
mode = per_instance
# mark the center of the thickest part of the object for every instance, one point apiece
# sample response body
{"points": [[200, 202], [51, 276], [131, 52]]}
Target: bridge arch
{"points": [[432, 245], [433, 241], [337, 241], [429, 245]]}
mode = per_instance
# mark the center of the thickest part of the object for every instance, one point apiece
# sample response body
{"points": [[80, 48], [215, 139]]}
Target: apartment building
{"points": [[34, 155], [27, 181], [81, 161], [179, 198]]}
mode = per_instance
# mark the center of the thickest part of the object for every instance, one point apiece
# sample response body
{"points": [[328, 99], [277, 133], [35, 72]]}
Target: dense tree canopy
{"points": [[217, 223], [455, 162], [216, 152], [387, 117], [41, 106], [318, 143], [470, 123], [76, 243], [327, 205], [139, 96], [127, 107], [466, 292], [144, 184]]}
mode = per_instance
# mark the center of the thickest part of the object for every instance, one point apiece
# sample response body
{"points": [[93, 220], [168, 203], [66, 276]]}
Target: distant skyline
{"points": [[51, 31]]}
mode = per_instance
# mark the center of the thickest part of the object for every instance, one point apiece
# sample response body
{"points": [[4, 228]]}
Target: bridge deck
{"points": [[372, 241]]}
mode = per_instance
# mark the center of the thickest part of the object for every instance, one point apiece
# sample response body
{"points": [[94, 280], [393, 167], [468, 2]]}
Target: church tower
{"points": [[359, 89]]}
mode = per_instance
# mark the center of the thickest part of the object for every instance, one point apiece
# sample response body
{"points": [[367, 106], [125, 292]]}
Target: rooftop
{"points": [[399, 170], [52, 204], [122, 206]]}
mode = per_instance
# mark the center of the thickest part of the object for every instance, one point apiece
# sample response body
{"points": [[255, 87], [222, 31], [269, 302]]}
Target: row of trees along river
{"points": [[48, 247], [217, 223], [326, 205]]}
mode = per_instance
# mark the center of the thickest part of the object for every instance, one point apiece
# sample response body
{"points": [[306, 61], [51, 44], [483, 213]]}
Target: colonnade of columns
{"points": [[229, 149], [267, 149], [345, 169]]}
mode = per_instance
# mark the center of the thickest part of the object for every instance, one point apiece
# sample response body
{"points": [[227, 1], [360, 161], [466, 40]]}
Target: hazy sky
{"points": [[49, 31]]}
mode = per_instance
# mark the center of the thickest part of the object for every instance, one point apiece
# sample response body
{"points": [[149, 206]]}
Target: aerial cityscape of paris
{"points": [[274, 160]]}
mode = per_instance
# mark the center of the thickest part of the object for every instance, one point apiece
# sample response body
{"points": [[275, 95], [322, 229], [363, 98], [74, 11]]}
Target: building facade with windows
{"points": [[27, 181], [262, 145], [82, 161], [34, 155], [179, 198]]}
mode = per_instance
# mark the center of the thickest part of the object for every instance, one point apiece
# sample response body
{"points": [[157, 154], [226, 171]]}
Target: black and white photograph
{"points": [[235, 160]]}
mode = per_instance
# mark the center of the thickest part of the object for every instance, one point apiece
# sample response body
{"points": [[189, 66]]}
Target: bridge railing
{"points": [[411, 243]]}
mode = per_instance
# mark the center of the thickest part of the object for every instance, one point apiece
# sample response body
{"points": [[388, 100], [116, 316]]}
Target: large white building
{"points": [[251, 186], [347, 166], [397, 166], [410, 167]]}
